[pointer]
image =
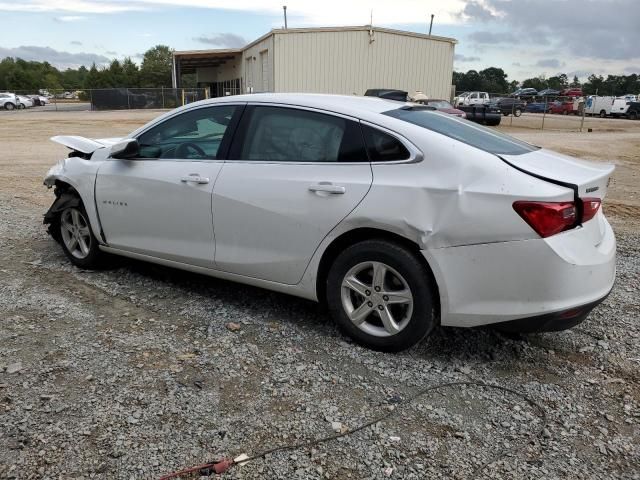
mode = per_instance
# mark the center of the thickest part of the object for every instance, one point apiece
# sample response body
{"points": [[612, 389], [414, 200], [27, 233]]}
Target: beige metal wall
{"points": [[252, 72], [347, 62]]}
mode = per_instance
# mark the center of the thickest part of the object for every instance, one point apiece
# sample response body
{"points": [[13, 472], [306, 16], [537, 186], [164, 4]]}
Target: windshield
{"points": [[439, 104], [464, 131]]}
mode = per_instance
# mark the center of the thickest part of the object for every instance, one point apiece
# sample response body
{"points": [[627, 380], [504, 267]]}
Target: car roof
{"points": [[365, 108], [336, 103]]}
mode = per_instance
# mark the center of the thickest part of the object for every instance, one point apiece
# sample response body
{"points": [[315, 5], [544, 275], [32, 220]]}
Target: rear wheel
{"points": [[633, 115], [380, 295], [517, 112], [9, 106], [603, 114], [78, 242]]}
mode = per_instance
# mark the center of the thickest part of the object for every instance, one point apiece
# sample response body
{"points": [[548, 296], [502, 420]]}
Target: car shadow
{"points": [[460, 345]]}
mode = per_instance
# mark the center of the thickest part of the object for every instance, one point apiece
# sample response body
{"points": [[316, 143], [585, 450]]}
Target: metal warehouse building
{"points": [[344, 60]]}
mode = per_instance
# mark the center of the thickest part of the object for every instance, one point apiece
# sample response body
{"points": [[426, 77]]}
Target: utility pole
{"points": [[431, 23], [284, 7]]}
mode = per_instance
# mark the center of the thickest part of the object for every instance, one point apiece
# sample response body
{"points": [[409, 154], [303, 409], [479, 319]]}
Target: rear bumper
{"points": [[550, 322], [536, 280]]}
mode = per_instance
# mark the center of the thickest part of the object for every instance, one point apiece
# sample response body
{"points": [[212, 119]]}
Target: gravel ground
{"points": [[133, 372]]}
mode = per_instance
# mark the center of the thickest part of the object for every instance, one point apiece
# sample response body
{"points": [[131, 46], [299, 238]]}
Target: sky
{"points": [[524, 37]]}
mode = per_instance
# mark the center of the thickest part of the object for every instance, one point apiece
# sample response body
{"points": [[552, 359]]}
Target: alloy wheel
{"points": [[377, 299], [76, 235]]}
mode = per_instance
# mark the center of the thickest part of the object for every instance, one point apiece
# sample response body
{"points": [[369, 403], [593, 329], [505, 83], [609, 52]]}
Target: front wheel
{"points": [[517, 112], [9, 106], [380, 294], [78, 242]]}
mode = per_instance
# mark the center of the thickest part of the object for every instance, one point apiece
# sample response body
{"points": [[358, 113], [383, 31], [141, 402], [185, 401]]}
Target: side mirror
{"points": [[128, 148]]}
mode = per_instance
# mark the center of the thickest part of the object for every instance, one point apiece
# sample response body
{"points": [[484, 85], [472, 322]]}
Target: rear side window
{"points": [[292, 135], [464, 131], [383, 147]]}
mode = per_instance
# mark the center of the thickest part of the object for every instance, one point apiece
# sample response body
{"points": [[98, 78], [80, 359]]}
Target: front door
{"points": [[293, 175], [160, 204]]}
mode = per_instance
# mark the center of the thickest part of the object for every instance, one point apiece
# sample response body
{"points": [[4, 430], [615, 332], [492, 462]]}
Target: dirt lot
{"points": [[131, 373]]}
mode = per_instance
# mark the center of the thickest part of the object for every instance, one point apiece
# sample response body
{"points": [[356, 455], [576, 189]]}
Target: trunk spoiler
{"points": [[78, 144]]}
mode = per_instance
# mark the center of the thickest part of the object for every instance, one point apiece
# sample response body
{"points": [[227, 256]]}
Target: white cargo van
{"points": [[620, 106], [598, 105]]}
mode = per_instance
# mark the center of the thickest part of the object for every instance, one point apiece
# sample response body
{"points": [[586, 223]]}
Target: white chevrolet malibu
{"points": [[400, 218]]}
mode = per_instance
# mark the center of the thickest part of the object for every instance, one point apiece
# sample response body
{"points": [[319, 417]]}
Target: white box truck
{"points": [[598, 105]]}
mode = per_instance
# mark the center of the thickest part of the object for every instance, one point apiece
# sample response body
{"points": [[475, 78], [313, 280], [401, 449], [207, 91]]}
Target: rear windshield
{"points": [[463, 130]]}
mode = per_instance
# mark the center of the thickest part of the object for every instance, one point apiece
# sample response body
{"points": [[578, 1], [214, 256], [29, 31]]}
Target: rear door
{"points": [[160, 203], [292, 176]]}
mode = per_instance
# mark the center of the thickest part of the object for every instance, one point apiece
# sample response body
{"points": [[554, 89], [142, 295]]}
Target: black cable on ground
{"points": [[209, 468]]}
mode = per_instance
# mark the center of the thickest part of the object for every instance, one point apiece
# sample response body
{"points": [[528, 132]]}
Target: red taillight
{"points": [[590, 207], [547, 218]]}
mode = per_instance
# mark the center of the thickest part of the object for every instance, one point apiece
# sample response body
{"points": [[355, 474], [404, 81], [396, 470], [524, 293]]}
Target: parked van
{"points": [[598, 105], [620, 106]]}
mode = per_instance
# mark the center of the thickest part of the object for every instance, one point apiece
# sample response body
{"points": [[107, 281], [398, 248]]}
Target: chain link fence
{"points": [[109, 98], [540, 112]]}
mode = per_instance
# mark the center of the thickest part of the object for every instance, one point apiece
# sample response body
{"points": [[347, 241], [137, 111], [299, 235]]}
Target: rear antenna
{"points": [[431, 23], [284, 7]]}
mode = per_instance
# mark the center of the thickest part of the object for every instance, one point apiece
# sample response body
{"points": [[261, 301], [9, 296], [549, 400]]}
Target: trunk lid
{"points": [[587, 179]]}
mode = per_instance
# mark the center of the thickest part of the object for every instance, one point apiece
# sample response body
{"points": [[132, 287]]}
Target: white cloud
{"points": [[69, 18], [300, 12]]}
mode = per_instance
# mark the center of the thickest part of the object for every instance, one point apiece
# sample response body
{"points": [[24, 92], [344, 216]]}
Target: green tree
{"points": [[539, 83], [130, 73], [493, 80], [594, 84], [575, 83], [156, 67]]}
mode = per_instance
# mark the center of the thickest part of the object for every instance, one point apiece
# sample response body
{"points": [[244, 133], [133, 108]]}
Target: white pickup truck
{"points": [[471, 98]]}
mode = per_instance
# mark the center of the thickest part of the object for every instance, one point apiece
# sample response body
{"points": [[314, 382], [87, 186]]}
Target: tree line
{"points": [[495, 80], [153, 72]]}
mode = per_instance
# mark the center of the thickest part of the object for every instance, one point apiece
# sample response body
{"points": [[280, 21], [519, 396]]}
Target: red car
{"points": [[571, 92], [443, 106], [564, 108]]}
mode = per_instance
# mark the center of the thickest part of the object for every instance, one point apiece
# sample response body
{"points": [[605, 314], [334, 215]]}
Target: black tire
{"points": [[517, 112], [422, 319], [21, 106], [95, 258], [603, 114], [9, 106], [633, 116]]}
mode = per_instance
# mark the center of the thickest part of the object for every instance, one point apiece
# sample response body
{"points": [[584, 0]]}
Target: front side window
{"points": [[464, 131], [290, 135], [192, 135]]}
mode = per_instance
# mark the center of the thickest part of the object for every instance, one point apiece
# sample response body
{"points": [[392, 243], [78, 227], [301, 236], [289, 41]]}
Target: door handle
{"points": [[194, 177], [327, 187]]}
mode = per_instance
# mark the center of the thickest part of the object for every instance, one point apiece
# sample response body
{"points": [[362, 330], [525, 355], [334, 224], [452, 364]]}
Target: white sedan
{"points": [[398, 217], [24, 102]]}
